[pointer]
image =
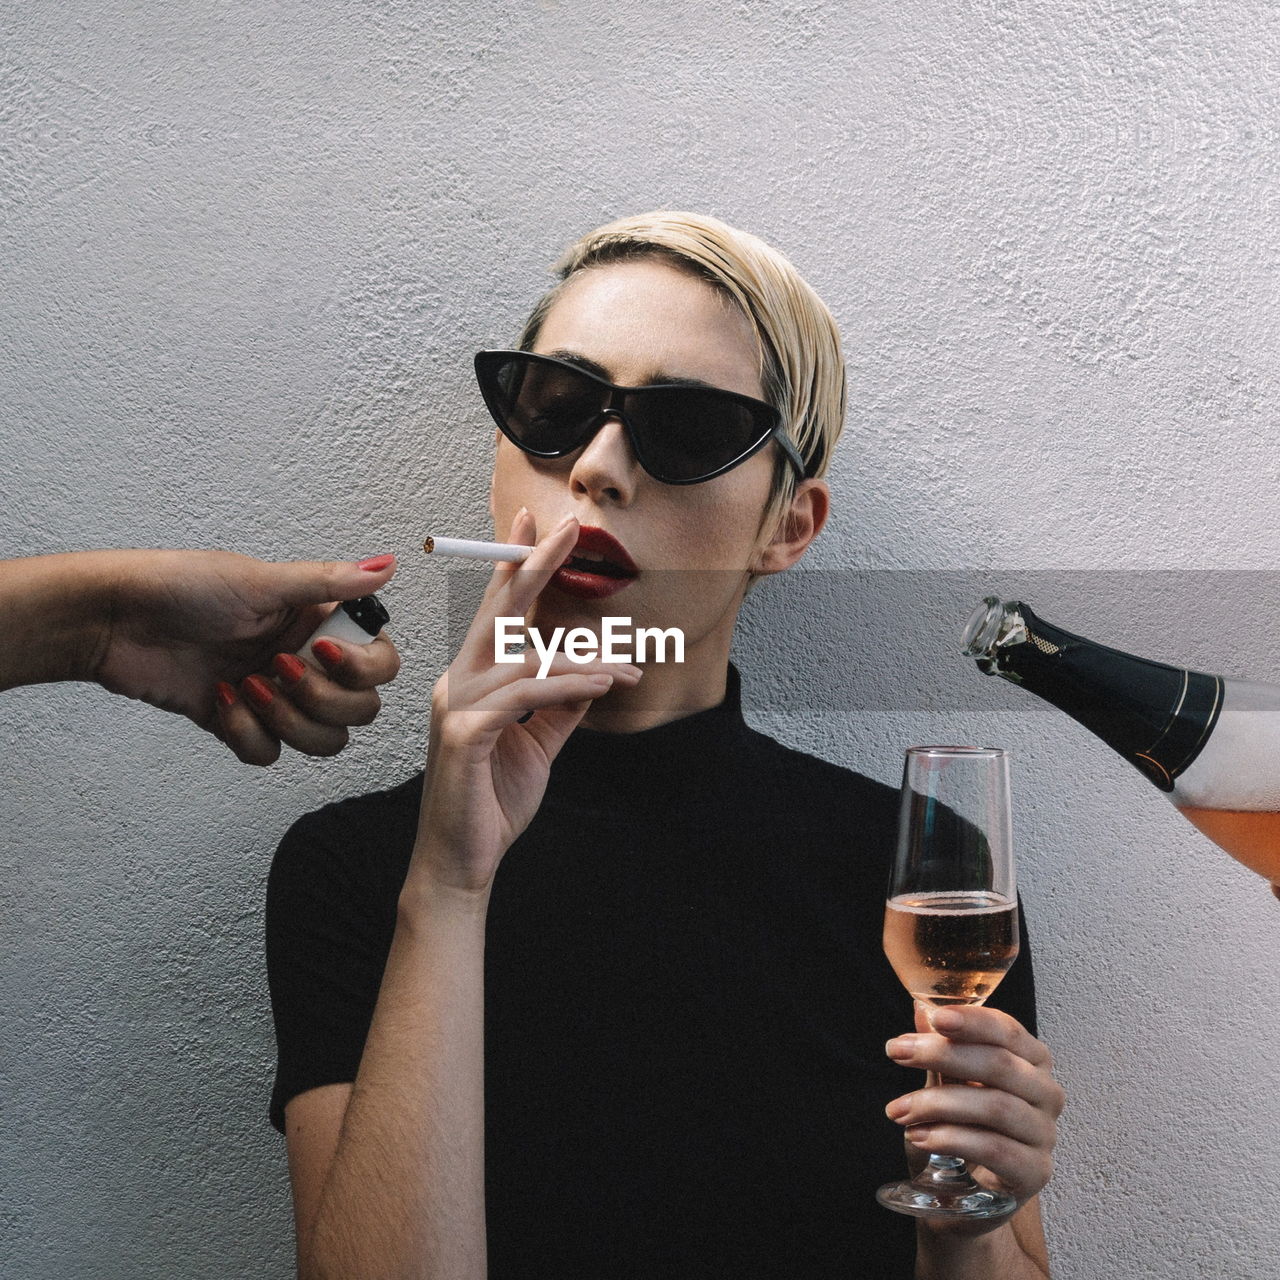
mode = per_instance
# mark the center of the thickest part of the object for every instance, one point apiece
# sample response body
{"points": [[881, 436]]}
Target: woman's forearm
{"points": [[54, 609], [1013, 1251], [401, 1192], [404, 1195]]}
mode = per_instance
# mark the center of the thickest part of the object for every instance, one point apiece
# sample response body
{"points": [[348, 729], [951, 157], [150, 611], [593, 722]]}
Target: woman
{"points": [[653, 1041]]}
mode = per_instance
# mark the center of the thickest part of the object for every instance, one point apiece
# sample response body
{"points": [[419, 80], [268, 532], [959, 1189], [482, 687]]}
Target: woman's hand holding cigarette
{"points": [[489, 759]]}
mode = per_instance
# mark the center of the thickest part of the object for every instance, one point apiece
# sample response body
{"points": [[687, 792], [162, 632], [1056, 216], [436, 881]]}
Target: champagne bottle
{"points": [[1211, 744]]}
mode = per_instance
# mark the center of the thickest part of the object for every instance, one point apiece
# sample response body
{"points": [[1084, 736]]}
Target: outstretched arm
{"points": [[207, 634]]}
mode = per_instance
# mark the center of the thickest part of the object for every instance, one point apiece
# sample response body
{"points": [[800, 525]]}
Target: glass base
{"points": [[944, 1189]]}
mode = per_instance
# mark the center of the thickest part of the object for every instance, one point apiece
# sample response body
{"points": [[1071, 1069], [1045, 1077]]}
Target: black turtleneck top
{"points": [[686, 1005]]}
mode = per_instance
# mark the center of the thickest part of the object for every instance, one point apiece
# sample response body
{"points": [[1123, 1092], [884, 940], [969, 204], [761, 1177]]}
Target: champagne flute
{"points": [[951, 927]]}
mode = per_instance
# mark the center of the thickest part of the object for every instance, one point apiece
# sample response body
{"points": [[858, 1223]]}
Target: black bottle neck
{"points": [[1157, 716]]}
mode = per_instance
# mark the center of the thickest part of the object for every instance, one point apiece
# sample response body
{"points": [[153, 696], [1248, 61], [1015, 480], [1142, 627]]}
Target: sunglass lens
{"points": [[544, 406], [688, 434]]}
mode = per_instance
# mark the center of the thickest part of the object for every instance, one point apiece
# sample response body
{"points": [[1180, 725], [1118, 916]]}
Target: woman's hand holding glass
{"points": [[1005, 1131], [951, 933], [496, 728]]}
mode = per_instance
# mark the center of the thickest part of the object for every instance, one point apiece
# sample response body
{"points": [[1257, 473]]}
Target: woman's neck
{"points": [[668, 691]]}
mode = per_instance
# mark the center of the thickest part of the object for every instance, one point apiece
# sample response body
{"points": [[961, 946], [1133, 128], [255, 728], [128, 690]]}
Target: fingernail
{"points": [[226, 694], [328, 652], [604, 681], [947, 1020], [898, 1108], [919, 1134], [376, 564], [257, 690], [288, 668], [564, 522], [901, 1047]]}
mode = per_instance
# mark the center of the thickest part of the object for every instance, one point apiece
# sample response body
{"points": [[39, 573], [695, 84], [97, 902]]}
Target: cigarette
{"points": [[507, 551]]}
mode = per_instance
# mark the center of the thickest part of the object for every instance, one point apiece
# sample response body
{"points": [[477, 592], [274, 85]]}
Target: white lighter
{"points": [[355, 621]]}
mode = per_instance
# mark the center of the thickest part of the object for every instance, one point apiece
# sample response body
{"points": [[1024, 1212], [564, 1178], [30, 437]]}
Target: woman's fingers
{"points": [[988, 1047], [510, 703], [514, 587], [481, 684], [302, 707], [356, 666], [523, 532], [1021, 1168], [975, 1024], [959, 1104], [523, 585], [516, 699], [287, 722], [988, 1065], [242, 731], [321, 698], [344, 691], [1008, 1126]]}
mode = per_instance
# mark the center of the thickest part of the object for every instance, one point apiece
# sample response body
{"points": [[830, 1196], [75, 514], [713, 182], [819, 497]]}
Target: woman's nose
{"points": [[606, 467]]}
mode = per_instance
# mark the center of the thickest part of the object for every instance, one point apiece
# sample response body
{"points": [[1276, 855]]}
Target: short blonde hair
{"points": [[801, 365]]}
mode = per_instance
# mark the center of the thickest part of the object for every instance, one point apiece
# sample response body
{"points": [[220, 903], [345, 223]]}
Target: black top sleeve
{"points": [[330, 917]]}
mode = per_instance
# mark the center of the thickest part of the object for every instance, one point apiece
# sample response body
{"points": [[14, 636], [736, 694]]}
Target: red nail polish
{"points": [[327, 652], [257, 690], [226, 694], [376, 564], [288, 668]]}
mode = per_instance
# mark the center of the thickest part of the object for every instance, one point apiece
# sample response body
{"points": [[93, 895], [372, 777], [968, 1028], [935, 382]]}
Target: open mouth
{"points": [[600, 553], [594, 562], [597, 567]]}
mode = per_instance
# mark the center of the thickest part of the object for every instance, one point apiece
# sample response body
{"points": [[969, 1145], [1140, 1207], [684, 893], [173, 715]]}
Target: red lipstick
{"points": [[598, 566]]}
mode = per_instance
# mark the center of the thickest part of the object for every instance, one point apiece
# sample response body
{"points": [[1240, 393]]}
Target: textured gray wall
{"points": [[247, 252]]}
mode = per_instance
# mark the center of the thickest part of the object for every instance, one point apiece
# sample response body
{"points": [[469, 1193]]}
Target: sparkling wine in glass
{"points": [[951, 926]]}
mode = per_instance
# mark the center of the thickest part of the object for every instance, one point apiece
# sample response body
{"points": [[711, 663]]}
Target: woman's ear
{"points": [[795, 528]]}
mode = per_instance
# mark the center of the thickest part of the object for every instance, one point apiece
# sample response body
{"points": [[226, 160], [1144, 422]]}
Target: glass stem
{"points": [[942, 1168]]}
